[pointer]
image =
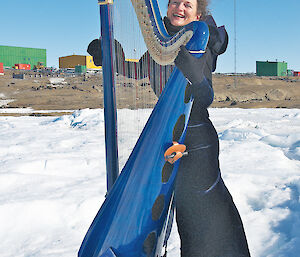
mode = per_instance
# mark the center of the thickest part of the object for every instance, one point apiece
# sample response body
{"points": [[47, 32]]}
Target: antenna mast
{"points": [[235, 75]]}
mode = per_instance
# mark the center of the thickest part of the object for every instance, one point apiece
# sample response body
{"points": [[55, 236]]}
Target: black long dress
{"points": [[208, 221]]}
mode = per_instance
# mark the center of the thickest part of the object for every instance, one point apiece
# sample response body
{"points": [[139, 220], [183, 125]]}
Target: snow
{"points": [[29, 110], [5, 102], [52, 178], [57, 81]]}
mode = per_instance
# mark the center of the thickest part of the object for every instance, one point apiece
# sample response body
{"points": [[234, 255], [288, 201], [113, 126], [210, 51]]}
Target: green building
{"points": [[10, 55], [80, 69], [290, 72], [271, 68]]}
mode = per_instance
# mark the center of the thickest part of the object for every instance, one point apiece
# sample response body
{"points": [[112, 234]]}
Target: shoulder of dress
{"points": [[218, 37]]}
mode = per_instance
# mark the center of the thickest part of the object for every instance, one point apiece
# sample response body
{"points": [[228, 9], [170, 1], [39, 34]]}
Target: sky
{"points": [[265, 29], [52, 178]]}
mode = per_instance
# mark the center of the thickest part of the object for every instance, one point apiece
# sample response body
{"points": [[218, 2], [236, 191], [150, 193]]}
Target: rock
{"points": [[275, 94]]}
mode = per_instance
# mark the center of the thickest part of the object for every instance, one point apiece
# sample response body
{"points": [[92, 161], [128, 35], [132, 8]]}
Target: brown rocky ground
{"points": [[53, 91], [249, 91]]}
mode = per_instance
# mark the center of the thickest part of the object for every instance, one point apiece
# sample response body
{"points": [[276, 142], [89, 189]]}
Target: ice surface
{"points": [[52, 178]]}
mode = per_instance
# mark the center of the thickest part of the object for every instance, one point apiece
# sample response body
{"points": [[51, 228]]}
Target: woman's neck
{"points": [[172, 30]]}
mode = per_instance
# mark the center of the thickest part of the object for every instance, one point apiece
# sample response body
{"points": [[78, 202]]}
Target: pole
{"points": [[235, 75], [110, 114]]}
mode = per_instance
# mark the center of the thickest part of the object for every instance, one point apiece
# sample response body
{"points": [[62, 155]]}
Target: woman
{"points": [[208, 222]]}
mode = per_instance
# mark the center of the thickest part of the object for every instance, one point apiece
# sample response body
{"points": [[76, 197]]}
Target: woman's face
{"points": [[182, 12]]}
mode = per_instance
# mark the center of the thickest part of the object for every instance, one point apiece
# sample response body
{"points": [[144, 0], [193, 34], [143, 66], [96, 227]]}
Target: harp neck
{"points": [[162, 47]]}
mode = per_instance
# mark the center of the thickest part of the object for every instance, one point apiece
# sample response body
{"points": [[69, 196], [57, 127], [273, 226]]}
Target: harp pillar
{"points": [[110, 114]]}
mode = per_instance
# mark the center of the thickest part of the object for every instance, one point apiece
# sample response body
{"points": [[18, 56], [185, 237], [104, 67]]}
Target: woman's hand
{"points": [[190, 66], [94, 49]]}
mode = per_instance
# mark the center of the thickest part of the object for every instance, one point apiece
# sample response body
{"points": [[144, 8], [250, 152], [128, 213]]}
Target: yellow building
{"points": [[132, 60], [71, 61]]}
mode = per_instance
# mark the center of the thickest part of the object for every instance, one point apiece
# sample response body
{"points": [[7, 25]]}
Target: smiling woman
{"points": [[181, 13], [207, 219]]}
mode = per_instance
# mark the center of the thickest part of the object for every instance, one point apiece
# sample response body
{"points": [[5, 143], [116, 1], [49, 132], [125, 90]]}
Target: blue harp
{"points": [[134, 219]]}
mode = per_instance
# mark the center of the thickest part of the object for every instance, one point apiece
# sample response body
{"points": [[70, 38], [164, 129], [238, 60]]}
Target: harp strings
{"points": [[138, 27], [134, 97]]}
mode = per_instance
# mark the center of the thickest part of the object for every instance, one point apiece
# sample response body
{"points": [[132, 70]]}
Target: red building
{"points": [[297, 73], [1, 68], [22, 66]]}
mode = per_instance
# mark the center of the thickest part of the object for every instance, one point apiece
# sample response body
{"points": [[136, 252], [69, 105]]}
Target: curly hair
{"points": [[201, 7]]}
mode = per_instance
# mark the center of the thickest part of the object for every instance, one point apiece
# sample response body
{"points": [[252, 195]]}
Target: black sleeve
{"points": [[217, 44], [144, 63], [158, 75], [123, 67], [199, 70], [95, 50]]}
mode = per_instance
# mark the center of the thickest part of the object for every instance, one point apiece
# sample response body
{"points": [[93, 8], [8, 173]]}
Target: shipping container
{"points": [[1, 68], [22, 66], [10, 55], [271, 68]]}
